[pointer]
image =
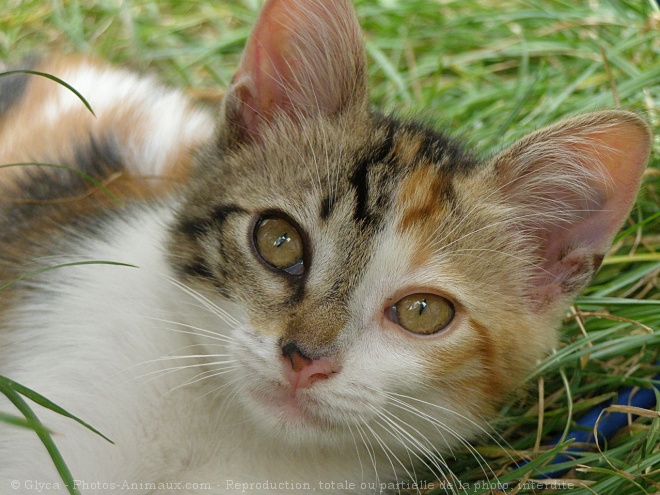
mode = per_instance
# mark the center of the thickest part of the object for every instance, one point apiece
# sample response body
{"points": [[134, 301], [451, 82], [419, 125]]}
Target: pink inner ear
{"points": [[583, 176], [263, 70], [620, 154], [303, 57]]}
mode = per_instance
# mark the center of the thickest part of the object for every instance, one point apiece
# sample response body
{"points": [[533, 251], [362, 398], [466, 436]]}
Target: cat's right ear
{"points": [[573, 185], [303, 58]]}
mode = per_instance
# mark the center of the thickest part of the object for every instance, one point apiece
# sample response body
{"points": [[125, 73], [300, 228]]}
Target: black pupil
{"points": [[422, 306], [282, 239]]}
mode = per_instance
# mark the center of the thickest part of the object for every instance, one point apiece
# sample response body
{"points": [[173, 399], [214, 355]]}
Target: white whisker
{"points": [[368, 445], [483, 464], [207, 376], [206, 302], [210, 334], [166, 371], [387, 451], [439, 465], [357, 451]]}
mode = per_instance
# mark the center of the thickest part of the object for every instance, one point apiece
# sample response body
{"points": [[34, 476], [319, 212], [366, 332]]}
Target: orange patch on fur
{"points": [[407, 147], [39, 128], [472, 363], [420, 200], [492, 383]]}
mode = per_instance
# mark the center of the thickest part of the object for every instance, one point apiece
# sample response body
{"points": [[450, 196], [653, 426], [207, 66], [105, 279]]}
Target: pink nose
{"points": [[302, 371]]}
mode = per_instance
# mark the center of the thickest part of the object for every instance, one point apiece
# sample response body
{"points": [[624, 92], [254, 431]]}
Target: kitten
{"points": [[317, 293]]}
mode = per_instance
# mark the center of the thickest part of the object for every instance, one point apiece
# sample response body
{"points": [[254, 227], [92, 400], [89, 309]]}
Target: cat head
{"points": [[374, 270]]}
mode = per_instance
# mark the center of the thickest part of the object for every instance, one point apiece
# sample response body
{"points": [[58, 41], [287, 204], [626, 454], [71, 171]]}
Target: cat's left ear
{"points": [[573, 185], [303, 57]]}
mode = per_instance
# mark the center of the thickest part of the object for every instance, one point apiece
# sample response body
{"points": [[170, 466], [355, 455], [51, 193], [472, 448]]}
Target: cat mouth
{"points": [[293, 407], [292, 403]]}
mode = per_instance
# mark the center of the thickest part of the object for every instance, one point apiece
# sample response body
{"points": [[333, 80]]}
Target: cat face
{"points": [[376, 273], [369, 232]]}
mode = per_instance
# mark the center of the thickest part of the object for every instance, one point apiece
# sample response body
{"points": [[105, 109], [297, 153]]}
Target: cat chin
{"points": [[278, 407], [304, 418]]}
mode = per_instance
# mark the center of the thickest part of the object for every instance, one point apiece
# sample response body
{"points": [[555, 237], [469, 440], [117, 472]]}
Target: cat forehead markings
{"points": [[421, 210], [422, 198]]}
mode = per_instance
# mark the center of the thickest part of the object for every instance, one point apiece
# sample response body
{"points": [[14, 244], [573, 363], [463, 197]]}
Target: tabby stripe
{"points": [[326, 208], [98, 157], [297, 288], [198, 226], [437, 148], [198, 269], [360, 178]]}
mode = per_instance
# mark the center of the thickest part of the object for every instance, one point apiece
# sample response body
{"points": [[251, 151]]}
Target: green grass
{"points": [[490, 71], [17, 393]]}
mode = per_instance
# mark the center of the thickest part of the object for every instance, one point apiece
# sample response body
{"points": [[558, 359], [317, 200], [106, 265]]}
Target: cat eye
{"points": [[279, 244], [422, 314]]}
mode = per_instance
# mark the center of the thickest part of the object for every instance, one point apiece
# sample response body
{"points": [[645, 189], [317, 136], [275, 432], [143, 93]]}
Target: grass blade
{"points": [[43, 435], [22, 423], [52, 78], [44, 402], [63, 265]]}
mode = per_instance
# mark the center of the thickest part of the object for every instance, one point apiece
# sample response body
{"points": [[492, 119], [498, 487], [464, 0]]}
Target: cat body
{"points": [[417, 285]]}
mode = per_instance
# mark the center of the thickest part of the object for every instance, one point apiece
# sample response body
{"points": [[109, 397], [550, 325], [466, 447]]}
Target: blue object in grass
{"points": [[609, 424]]}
